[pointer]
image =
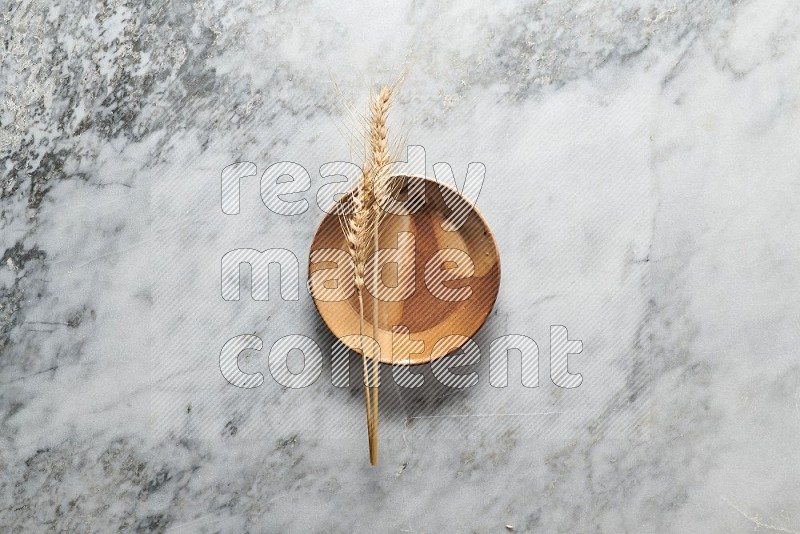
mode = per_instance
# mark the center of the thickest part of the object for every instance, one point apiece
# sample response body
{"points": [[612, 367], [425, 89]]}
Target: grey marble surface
{"points": [[642, 179]]}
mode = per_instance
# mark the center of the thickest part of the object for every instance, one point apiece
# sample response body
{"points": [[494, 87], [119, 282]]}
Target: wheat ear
{"points": [[360, 217], [378, 165]]}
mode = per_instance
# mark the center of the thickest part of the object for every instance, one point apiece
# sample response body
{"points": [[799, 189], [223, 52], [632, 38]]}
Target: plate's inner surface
{"points": [[427, 317]]}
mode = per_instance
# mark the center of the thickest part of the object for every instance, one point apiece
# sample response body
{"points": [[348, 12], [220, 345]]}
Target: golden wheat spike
{"points": [[360, 221]]}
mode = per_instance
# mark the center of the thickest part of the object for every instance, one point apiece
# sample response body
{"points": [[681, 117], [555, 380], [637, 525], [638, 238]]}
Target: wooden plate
{"points": [[429, 318]]}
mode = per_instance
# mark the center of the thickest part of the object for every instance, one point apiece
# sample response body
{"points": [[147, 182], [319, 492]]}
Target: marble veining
{"points": [[642, 183]]}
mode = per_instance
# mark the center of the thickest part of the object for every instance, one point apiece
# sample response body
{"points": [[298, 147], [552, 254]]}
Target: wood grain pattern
{"points": [[427, 317]]}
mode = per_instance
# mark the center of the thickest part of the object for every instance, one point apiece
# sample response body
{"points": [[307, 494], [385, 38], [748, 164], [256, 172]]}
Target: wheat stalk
{"points": [[361, 228], [354, 220], [379, 167]]}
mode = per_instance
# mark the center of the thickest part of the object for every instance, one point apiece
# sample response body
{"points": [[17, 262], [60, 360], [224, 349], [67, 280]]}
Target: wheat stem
{"points": [[371, 430], [361, 228], [379, 161]]}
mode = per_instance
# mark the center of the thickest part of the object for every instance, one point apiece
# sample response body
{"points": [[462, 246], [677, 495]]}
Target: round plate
{"points": [[429, 318]]}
